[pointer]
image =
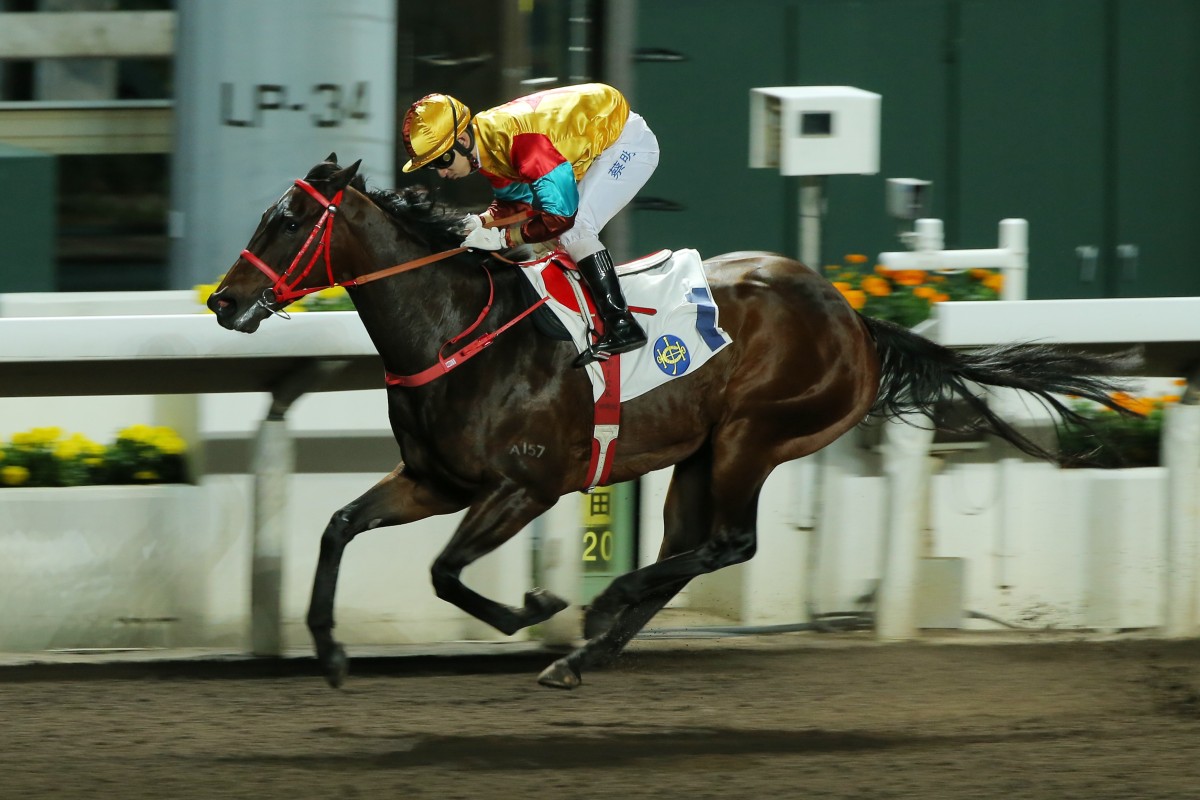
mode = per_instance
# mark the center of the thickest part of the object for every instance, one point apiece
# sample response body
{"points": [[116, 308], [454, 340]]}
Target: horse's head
{"points": [[289, 254]]}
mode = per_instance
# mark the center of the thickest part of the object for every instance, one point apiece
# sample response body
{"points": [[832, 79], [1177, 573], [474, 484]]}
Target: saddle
{"points": [[563, 286]]}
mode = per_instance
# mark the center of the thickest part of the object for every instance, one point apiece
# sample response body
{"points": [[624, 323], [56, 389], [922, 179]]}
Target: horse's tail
{"points": [[916, 373]]}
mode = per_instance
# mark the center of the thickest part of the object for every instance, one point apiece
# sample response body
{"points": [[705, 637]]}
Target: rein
{"points": [[284, 285]]}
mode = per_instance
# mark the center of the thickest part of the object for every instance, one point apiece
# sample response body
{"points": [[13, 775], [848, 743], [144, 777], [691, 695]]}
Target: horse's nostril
{"points": [[219, 305]]}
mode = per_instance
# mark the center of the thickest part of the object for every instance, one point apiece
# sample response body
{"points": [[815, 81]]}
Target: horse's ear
{"points": [[331, 158], [341, 179]]}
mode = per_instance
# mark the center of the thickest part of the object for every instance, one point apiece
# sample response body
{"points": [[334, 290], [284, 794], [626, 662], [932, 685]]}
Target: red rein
{"points": [[284, 288]]}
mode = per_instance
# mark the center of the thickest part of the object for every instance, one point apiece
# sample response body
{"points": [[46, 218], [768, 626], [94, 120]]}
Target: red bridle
{"points": [[284, 286]]}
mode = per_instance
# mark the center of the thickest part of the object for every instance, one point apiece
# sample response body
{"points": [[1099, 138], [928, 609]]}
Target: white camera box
{"points": [[815, 130]]}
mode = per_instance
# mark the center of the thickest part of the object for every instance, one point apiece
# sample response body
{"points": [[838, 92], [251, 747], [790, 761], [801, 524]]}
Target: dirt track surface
{"points": [[784, 716]]}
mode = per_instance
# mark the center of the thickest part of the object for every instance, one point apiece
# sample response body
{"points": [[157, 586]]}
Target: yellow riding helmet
{"points": [[431, 126]]}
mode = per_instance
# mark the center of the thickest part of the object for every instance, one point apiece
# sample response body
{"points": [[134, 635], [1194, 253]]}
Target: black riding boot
{"points": [[622, 332]]}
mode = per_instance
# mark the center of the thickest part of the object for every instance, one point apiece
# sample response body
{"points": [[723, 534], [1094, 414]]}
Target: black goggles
{"points": [[443, 161]]}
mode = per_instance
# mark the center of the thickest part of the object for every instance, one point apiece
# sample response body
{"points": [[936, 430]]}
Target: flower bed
{"points": [[47, 456], [907, 297], [1118, 440]]}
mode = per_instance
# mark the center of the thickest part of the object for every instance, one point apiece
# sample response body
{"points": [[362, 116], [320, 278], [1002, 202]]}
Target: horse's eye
{"points": [[291, 224]]}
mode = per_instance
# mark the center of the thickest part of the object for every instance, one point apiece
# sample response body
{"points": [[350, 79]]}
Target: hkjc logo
{"points": [[671, 355]]}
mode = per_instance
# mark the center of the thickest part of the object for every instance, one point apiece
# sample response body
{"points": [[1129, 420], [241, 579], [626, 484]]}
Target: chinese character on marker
{"points": [[616, 170], [600, 505], [626, 156]]}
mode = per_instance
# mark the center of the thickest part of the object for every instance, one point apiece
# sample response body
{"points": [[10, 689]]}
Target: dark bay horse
{"points": [[802, 370]]}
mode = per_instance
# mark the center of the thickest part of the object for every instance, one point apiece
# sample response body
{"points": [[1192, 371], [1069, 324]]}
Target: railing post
{"points": [[905, 451]]}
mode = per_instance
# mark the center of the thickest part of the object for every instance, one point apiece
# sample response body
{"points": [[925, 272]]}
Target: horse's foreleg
{"points": [[393, 501], [487, 525]]}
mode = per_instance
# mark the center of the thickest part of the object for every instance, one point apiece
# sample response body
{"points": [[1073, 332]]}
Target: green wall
{"points": [[1081, 116], [27, 190]]}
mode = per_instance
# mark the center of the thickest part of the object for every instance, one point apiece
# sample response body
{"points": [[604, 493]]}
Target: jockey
{"points": [[575, 156]]}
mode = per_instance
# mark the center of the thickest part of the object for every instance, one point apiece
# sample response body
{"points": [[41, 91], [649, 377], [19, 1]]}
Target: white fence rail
{"points": [[990, 532]]}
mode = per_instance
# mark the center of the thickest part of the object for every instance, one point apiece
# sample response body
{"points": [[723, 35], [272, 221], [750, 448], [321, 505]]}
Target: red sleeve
{"points": [[534, 155]]}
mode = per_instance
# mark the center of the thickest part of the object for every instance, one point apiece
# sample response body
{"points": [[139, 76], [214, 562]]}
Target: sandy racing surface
{"points": [[797, 715]]}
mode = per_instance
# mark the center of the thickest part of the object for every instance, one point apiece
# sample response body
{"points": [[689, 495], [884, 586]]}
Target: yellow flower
{"points": [[842, 286], [203, 290], [145, 475], [47, 435], [136, 433], [168, 441], [13, 475]]}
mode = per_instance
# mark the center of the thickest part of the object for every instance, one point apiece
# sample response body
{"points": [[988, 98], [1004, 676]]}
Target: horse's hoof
{"points": [[597, 623], [541, 605], [560, 675], [336, 666]]}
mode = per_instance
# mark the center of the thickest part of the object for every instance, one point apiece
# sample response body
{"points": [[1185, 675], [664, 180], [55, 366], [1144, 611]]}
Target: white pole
{"points": [[812, 208], [1014, 237], [274, 459], [561, 539], [1181, 457], [905, 450]]}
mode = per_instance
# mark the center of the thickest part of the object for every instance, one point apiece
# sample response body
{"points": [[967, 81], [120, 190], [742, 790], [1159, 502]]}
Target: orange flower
{"points": [[877, 287], [980, 274], [857, 298], [940, 297], [909, 277], [856, 258], [842, 286], [1138, 405], [926, 292], [883, 271], [994, 281]]}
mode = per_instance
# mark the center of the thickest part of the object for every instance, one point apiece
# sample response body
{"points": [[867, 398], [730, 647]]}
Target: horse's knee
{"points": [[342, 528], [732, 549], [444, 578]]}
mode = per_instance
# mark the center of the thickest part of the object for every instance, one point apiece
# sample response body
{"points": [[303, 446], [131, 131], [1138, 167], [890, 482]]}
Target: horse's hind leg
{"points": [[395, 500], [487, 525], [687, 551]]}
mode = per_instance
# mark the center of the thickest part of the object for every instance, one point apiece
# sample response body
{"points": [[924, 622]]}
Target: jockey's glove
{"points": [[486, 239], [471, 222]]}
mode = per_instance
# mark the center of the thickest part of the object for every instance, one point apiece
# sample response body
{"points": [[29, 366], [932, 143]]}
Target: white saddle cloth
{"points": [[683, 334]]}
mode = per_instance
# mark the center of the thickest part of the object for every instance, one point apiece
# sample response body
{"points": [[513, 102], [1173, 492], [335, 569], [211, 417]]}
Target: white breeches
{"points": [[609, 184]]}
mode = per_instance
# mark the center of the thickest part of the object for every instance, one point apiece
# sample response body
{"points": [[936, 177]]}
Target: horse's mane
{"points": [[411, 208]]}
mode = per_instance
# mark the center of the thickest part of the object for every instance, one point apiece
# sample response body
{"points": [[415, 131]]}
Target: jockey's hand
{"points": [[471, 222], [486, 239]]}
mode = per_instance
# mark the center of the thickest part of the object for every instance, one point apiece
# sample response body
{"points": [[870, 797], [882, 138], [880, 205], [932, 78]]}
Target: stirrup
{"points": [[588, 356]]}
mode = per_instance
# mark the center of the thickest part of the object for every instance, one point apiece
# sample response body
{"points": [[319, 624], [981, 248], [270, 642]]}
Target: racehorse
{"points": [[803, 369]]}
